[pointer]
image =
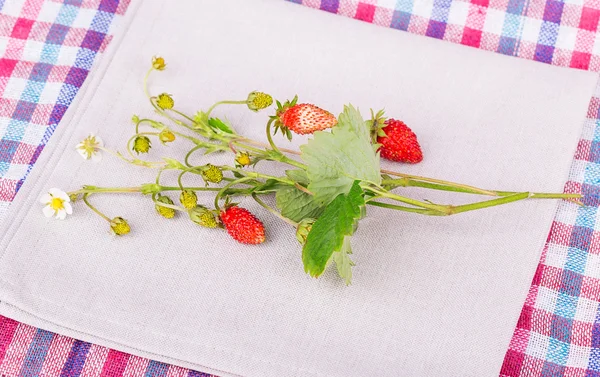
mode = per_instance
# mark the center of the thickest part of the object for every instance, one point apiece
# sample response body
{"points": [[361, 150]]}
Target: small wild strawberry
{"points": [[119, 226], [165, 101], [242, 225], [302, 118], [203, 217], [212, 173], [141, 144], [188, 199], [258, 100], [397, 142], [166, 212]]}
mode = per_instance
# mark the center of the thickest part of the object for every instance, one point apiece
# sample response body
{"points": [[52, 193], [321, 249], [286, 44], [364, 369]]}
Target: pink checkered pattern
{"points": [[561, 33]]}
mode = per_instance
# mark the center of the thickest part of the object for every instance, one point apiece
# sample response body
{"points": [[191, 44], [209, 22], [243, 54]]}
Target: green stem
{"points": [[176, 121], [190, 169], [187, 156], [270, 138], [183, 115], [457, 187], [119, 155], [406, 182], [281, 157], [146, 120], [273, 211], [452, 210], [146, 82], [406, 209], [292, 162], [224, 188], [177, 208], [254, 175], [94, 189], [248, 147], [263, 145], [488, 203], [85, 200], [210, 109], [129, 190], [406, 200], [177, 188], [129, 149]]}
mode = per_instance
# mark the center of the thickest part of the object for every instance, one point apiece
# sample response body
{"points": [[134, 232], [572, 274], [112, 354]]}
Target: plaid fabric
{"points": [[47, 48], [558, 332], [28, 352], [562, 33], [46, 51]]}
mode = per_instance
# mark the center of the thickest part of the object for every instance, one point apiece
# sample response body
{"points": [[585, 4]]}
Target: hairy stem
{"points": [[85, 200], [273, 211], [406, 182], [210, 109], [226, 187]]}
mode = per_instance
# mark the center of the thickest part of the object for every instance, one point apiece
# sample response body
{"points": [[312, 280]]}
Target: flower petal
{"points": [[45, 199], [61, 214], [58, 193], [48, 211], [68, 208], [96, 156], [99, 141], [83, 153], [54, 191]]}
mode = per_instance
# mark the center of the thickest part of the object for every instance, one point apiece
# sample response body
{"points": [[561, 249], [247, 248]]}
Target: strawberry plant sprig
{"points": [[323, 195]]}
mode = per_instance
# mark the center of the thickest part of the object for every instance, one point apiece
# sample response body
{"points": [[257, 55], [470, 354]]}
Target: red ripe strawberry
{"points": [[242, 225], [399, 143], [305, 118], [302, 118]]}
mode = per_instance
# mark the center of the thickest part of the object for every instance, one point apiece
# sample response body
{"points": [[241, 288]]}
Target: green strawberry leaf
{"points": [[328, 234], [336, 159], [298, 175], [296, 204], [343, 262], [201, 118], [270, 185], [220, 127]]}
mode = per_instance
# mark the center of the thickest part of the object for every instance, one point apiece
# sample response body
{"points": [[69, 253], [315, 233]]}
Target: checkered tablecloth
{"points": [[47, 48]]}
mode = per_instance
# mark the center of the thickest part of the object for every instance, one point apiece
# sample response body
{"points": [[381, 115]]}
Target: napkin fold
{"points": [[430, 296]]}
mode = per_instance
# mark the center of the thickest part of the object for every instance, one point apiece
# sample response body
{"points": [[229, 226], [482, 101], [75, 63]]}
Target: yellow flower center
{"points": [[158, 63], [243, 159], [89, 145], [165, 101], [57, 204]]}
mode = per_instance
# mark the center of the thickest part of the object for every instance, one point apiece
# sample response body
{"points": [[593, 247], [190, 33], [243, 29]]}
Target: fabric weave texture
{"points": [[48, 47]]}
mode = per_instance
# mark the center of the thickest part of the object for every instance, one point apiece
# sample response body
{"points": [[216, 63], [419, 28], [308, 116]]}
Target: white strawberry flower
{"points": [[57, 204], [90, 148]]}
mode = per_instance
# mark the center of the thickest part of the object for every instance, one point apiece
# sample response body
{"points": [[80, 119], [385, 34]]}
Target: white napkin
{"points": [[430, 296]]}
